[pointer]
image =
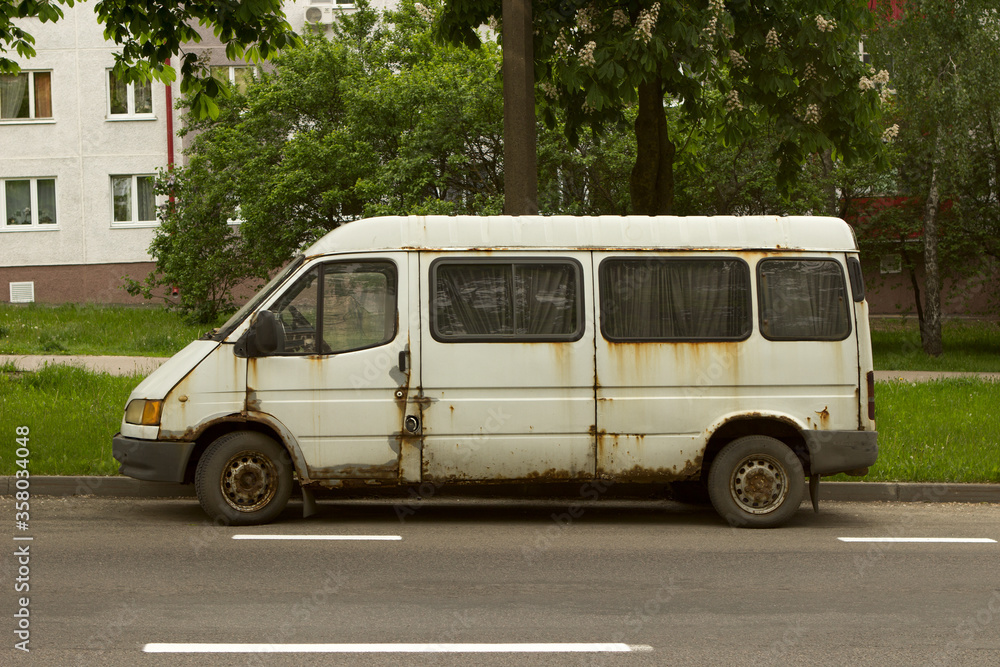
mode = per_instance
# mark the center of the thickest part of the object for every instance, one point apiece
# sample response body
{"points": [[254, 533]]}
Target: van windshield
{"points": [[251, 305]]}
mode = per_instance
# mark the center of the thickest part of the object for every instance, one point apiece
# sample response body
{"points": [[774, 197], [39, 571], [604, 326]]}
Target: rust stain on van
{"points": [[824, 417], [637, 473], [387, 470]]}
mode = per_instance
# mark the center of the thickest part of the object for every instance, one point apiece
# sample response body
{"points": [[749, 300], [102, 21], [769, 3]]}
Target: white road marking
{"points": [[949, 540], [317, 537], [396, 648]]}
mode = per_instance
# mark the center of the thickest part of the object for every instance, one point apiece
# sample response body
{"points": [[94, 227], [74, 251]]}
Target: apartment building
{"points": [[79, 151]]}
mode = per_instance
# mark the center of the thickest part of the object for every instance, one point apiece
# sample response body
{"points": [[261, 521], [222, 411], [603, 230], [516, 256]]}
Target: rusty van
{"points": [[733, 352]]}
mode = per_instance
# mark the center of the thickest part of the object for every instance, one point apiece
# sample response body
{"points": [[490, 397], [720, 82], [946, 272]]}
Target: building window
{"points": [[891, 264], [506, 301], [28, 203], [239, 76], [26, 96], [645, 299], [802, 300], [129, 99], [133, 200]]}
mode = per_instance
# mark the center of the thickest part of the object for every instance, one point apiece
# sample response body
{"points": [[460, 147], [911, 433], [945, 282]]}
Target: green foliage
{"points": [[150, 33]]}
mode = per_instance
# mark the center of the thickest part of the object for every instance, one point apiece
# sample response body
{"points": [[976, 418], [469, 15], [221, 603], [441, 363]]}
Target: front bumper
{"points": [[831, 452], [152, 460]]}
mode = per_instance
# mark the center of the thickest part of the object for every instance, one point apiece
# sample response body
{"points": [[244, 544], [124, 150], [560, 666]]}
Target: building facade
{"points": [[79, 151]]}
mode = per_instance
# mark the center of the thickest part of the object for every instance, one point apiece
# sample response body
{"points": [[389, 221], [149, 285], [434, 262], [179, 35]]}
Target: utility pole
{"points": [[519, 152]]}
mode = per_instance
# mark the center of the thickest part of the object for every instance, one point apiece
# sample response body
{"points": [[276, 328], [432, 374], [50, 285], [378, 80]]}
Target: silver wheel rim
{"points": [[759, 484], [249, 481]]}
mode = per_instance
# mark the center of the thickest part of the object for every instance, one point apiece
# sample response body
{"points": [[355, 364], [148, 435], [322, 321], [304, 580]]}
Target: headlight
{"points": [[143, 412]]}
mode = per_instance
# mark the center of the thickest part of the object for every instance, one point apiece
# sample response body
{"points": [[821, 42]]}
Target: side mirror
{"points": [[265, 336]]}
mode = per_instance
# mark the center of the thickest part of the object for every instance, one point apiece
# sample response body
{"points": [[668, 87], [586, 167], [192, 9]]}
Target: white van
{"points": [[732, 351]]}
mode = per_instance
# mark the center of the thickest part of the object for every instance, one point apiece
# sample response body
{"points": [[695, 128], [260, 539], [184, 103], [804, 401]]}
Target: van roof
{"points": [[438, 232]]}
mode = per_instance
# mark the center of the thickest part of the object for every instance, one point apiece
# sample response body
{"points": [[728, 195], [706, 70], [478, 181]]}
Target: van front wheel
{"points": [[756, 482], [243, 479]]}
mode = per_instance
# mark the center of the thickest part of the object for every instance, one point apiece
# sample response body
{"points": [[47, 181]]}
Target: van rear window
{"points": [[802, 300], [523, 300], [666, 299]]}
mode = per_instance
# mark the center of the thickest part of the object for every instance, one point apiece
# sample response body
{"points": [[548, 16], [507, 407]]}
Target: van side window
{"points": [[664, 299], [339, 307], [802, 300], [523, 300]]}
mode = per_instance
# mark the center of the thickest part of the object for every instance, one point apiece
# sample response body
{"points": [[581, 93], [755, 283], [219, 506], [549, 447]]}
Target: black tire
{"points": [[243, 479], [756, 482]]}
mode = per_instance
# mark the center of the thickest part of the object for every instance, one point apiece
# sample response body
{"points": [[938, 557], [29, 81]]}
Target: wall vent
{"points": [[22, 292]]}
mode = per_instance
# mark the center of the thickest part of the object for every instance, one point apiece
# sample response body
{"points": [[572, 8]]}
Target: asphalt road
{"points": [[669, 583]]}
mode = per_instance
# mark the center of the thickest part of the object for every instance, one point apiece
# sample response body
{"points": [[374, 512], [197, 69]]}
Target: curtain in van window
{"points": [[474, 300], [546, 298], [517, 300], [803, 300], [675, 299]]}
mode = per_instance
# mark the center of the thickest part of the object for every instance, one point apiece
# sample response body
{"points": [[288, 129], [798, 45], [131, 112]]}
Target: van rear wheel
{"points": [[757, 482], [243, 479]]}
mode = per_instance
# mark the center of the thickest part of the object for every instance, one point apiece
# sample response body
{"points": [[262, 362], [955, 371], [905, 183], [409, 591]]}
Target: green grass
{"points": [[71, 414], [942, 431], [91, 329], [968, 346]]}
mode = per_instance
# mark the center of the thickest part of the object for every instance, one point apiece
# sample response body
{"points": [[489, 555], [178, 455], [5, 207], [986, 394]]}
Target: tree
{"points": [[150, 32], [793, 62], [944, 56], [379, 119]]}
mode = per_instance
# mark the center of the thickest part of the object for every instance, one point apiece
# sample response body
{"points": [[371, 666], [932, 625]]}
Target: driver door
{"points": [[335, 379]]}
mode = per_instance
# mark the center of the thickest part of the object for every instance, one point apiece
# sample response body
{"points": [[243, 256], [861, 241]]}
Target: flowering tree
{"points": [[795, 63]]}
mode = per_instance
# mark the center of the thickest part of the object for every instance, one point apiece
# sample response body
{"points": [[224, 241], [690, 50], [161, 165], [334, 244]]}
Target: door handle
{"points": [[402, 361]]}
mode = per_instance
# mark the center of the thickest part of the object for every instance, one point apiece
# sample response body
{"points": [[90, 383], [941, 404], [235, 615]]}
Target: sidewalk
{"points": [[127, 365], [112, 365]]}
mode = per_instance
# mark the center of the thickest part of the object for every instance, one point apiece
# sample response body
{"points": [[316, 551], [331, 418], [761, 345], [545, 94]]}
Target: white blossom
{"points": [[619, 19], [737, 59], [772, 39], [733, 101], [708, 32], [825, 25], [549, 89], [809, 72], [585, 19], [812, 115], [425, 12], [866, 84], [886, 95], [881, 78], [890, 133], [645, 23], [587, 54], [562, 45], [717, 6]]}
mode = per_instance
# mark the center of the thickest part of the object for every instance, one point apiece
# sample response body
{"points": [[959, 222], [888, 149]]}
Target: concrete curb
{"points": [[126, 487]]}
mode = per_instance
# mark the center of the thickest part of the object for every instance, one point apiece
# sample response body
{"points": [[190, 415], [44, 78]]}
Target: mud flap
{"points": [[308, 503], [814, 492]]}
